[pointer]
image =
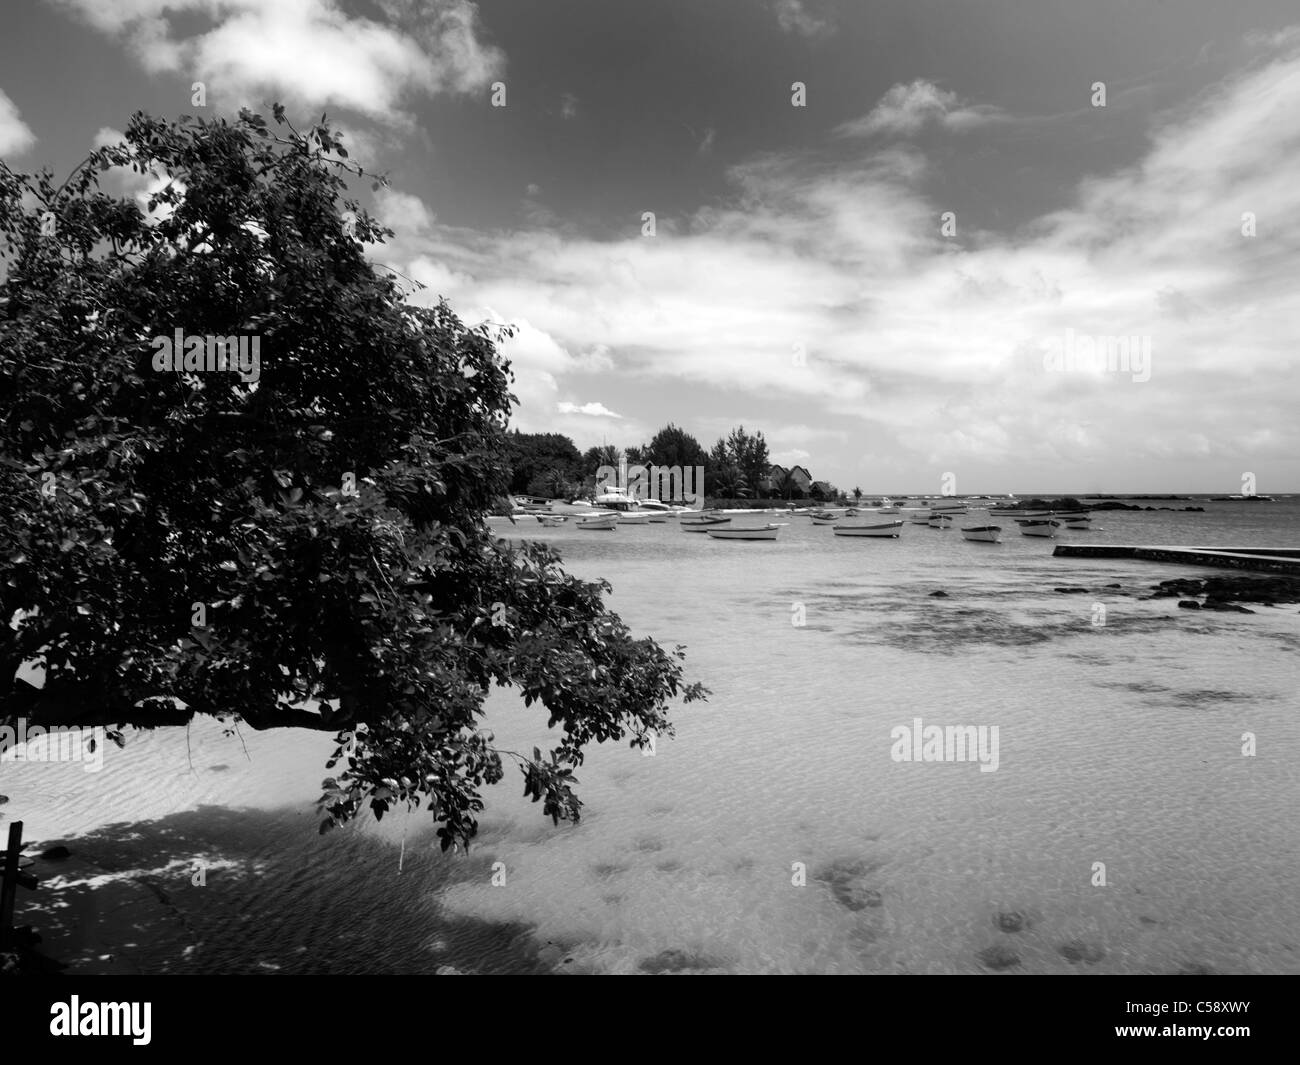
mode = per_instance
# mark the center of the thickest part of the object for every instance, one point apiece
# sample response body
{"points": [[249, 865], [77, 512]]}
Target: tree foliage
{"points": [[327, 518]]}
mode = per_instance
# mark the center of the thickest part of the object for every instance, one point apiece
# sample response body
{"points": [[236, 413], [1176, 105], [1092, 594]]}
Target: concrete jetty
{"points": [[1267, 559]]}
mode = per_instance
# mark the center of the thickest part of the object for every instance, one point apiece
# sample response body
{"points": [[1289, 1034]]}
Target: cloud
{"points": [[590, 410], [822, 283], [793, 17], [402, 212], [906, 109], [706, 142], [568, 106], [15, 136], [311, 52]]}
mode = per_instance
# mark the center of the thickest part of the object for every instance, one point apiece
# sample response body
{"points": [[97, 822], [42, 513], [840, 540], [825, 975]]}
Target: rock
{"points": [[676, 961], [847, 880], [938, 595], [1071, 591], [1189, 604], [1229, 608], [1183, 586], [1114, 586], [1078, 951], [56, 854], [1011, 921], [999, 957], [3, 799]]}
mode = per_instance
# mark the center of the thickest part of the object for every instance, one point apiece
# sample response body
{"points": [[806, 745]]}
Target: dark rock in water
{"points": [[1189, 604], [1230, 608], [1181, 586], [676, 961], [56, 854], [938, 595], [1077, 950], [847, 880], [1114, 586], [1071, 591], [1011, 921], [3, 799], [999, 957]]}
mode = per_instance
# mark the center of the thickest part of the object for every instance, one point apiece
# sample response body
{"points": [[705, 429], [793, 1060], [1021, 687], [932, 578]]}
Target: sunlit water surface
{"points": [[775, 833]]}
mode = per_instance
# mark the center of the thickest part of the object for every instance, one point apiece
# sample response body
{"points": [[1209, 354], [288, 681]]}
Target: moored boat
{"points": [[552, 521], [599, 522], [1037, 526], [940, 521], [633, 518], [1077, 522], [703, 523], [890, 529], [989, 534], [754, 532]]}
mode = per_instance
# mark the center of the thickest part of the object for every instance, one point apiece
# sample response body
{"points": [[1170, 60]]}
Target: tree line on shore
{"points": [[738, 466]]}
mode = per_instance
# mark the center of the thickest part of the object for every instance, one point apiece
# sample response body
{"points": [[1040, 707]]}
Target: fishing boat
{"points": [[921, 518], [890, 529], [633, 517], [1077, 522], [703, 523], [989, 534], [599, 522], [828, 517], [888, 510], [939, 521], [1037, 526], [552, 521], [754, 532]]}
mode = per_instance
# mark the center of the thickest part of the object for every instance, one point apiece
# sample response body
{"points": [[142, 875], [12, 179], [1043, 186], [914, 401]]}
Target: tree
{"points": [[749, 454], [541, 455], [787, 486], [176, 544], [857, 495], [823, 491], [672, 446]]}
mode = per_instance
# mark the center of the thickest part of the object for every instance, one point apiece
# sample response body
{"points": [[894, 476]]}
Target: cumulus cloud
{"points": [[309, 51], [794, 16], [906, 109], [590, 410], [824, 281], [15, 136]]}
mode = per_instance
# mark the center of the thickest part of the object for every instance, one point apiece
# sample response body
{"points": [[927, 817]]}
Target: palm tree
{"points": [[857, 495]]}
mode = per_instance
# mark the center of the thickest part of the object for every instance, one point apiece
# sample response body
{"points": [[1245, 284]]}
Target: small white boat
{"points": [[633, 518], [755, 532], [1077, 522], [920, 519], [1037, 526], [552, 521], [989, 534], [830, 517], [940, 521], [599, 522], [699, 525], [890, 529]]}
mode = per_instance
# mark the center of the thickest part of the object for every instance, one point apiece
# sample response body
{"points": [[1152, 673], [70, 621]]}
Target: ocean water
{"points": [[775, 833]]}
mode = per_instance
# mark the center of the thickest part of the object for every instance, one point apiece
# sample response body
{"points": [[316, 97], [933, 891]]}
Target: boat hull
{"points": [[988, 534], [1037, 528], [889, 530], [767, 533], [600, 524]]}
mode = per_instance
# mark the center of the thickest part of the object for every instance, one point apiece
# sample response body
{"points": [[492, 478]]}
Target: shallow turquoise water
{"points": [[775, 833]]}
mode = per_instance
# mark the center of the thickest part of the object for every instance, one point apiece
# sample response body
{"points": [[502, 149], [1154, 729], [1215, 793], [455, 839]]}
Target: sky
{"points": [[886, 234]]}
